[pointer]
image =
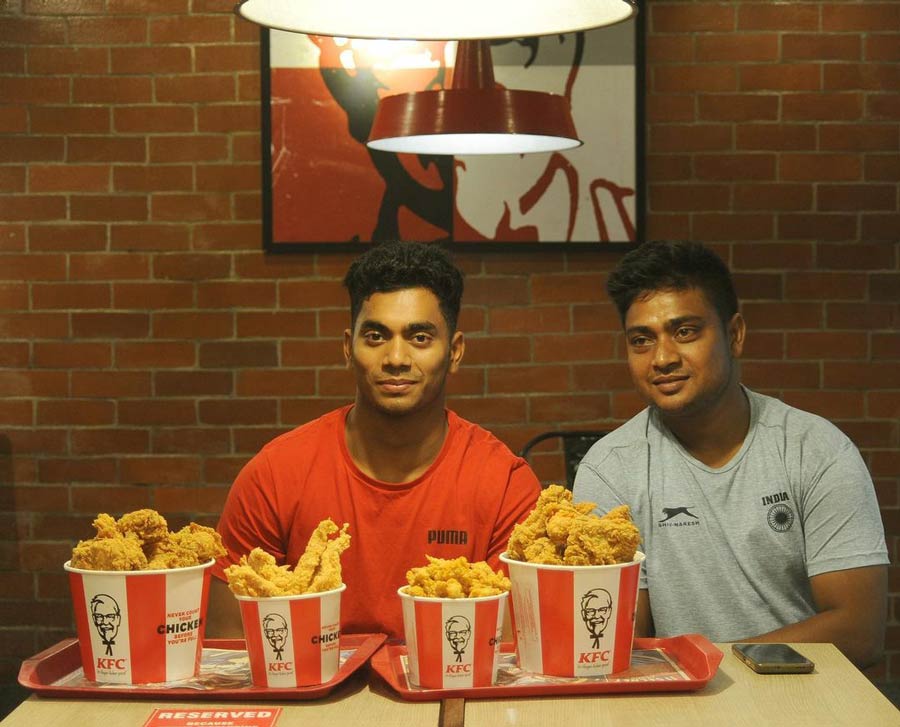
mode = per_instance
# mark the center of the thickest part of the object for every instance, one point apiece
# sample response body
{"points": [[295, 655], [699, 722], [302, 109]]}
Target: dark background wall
{"points": [[148, 347]]}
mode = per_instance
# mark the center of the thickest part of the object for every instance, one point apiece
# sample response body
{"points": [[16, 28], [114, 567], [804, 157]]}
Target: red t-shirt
{"points": [[466, 503]]}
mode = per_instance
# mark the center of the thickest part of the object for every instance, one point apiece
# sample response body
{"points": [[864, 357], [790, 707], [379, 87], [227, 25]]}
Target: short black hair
{"points": [[672, 265], [391, 266]]}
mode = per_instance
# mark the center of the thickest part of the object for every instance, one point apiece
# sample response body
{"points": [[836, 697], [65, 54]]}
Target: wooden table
{"points": [[836, 694]]}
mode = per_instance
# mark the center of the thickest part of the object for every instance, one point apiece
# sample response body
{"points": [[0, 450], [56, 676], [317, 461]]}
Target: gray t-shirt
{"points": [[730, 549]]}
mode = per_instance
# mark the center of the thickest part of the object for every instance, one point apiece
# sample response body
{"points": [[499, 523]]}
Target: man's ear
{"points": [[348, 346], [737, 330], [457, 349]]}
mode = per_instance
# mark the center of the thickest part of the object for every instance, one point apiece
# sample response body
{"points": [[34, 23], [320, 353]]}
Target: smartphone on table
{"points": [[773, 658]]}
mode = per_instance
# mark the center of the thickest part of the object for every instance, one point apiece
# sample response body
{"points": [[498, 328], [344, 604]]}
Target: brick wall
{"points": [[148, 348]]}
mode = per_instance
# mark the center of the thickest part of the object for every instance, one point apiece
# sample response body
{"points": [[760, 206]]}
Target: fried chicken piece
{"points": [[328, 574], [534, 527], [192, 545], [106, 526], [311, 559], [245, 580], [455, 578], [148, 525], [118, 552]]}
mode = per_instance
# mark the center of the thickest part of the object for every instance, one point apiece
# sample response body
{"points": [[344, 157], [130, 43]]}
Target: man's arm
{"points": [[223, 615], [852, 607]]}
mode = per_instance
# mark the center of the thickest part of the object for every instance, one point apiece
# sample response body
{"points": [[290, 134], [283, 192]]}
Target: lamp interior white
{"points": [[457, 144]]}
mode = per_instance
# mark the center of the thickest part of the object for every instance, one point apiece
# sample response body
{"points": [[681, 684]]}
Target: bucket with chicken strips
{"points": [[574, 587], [139, 594], [452, 620], [292, 617]]}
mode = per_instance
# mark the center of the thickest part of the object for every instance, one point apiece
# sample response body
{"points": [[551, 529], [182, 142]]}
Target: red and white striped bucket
{"points": [[452, 642], [293, 641], [138, 627], [574, 621]]}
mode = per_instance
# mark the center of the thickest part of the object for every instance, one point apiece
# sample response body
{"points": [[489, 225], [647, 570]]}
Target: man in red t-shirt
{"points": [[409, 476]]}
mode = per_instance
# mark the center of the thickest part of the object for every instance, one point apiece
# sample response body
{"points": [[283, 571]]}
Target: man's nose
{"points": [[397, 353], [666, 354]]}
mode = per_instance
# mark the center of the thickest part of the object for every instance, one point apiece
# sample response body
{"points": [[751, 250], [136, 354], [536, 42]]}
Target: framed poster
{"points": [[324, 189]]}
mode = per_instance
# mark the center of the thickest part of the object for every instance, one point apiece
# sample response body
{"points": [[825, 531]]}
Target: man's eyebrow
{"points": [[370, 325], [421, 327], [671, 324]]}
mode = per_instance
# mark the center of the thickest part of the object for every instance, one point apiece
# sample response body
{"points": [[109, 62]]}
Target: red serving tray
{"points": [[41, 672], [695, 655]]}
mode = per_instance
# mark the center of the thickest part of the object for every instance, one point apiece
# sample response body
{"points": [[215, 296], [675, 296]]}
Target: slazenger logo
{"points": [[596, 611], [458, 631], [678, 512], [107, 617]]}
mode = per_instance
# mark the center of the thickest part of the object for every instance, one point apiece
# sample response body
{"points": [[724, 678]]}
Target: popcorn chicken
{"points": [[456, 578]]}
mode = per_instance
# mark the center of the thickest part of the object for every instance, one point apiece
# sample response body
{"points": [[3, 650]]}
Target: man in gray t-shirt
{"points": [[759, 521]]}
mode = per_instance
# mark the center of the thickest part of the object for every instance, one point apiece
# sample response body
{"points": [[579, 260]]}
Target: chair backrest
{"points": [[575, 443]]}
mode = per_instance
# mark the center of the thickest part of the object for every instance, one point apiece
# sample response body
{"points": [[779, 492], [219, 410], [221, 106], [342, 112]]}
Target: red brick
{"points": [[817, 226], [340, 382], [777, 16], [110, 325], [36, 31], [688, 138], [325, 294], [237, 294], [571, 288], [193, 383], [190, 266], [882, 167], [884, 286], [227, 177], [193, 499], [856, 197], [275, 324], [763, 346], [858, 256], [153, 119], [252, 439], [13, 296], [728, 167], [669, 167], [689, 18], [883, 227], [157, 412], [238, 354], [105, 149], [530, 319], [227, 236], [228, 118], [194, 440], [60, 61], [779, 374], [692, 78], [758, 286], [869, 434], [669, 107], [97, 207], [108, 266], [856, 316], [13, 120], [861, 375], [166, 237], [107, 30], [573, 347], [190, 207], [885, 346], [827, 345], [33, 90], [32, 207], [16, 413], [487, 350], [737, 107], [820, 47], [743, 47], [825, 286], [601, 377], [191, 148], [813, 167], [192, 325], [32, 267], [869, 76], [12, 179], [709, 227], [689, 197], [96, 499], [72, 354], [665, 226], [773, 197], [208, 29], [883, 404], [156, 354], [238, 411], [499, 290], [782, 316], [69, 120], [211, 58], [162, 59], [68, 178], [70, 295], [868, 137], [527, 379], [152, 7], [76, 412], [870, 16], [775, 137], [248, 87], [160, 470], [489, 411], [107, 89], [268, 267], [194, 89], [153, 296], [569, 408], [882, 47], [821, 107], [34, 325], [245, 147], [33, 383], [12, 60], [111, 384], [157, 178], [12, 238], [110, 441]]}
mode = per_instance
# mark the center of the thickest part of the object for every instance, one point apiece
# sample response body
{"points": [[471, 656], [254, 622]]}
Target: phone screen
{"points": [[773, 658]]}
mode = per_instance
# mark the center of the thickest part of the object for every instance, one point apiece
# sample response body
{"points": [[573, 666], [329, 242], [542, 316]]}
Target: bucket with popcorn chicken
{"points": [[452, 620], [574, 581], [293, 641]]}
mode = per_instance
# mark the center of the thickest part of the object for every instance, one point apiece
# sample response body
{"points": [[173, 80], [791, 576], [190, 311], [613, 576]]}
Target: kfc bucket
{"points": [[574, 621], [452, 642], [138, 627], [293, 641]]}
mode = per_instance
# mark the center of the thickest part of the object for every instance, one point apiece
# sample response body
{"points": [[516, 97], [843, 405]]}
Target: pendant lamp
{"points": [[425, 20]]}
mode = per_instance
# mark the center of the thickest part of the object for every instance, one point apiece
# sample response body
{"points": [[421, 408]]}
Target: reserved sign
{"points": [[214, 717]]}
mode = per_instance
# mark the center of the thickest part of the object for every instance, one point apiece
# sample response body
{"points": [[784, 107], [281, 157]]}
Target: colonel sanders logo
{"points": [[107, 618], [458, 630], [275, 628], [596, 609]]}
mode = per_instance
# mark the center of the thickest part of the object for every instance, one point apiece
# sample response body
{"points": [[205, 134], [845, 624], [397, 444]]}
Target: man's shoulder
{"points": [[796, 426], [474, 437], [632, 435]]}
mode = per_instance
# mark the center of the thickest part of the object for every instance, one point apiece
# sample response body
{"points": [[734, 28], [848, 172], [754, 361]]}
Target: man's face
{"points": [[401, 352], [680, 357]]}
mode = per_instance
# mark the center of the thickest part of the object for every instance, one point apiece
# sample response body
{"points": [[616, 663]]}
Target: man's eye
{"points": [[373, 337], [421, 338], [639, 342], [685, 332]]}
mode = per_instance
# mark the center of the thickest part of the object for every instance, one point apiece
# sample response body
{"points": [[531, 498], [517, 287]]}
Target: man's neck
{"points": [[716, 435], [395, 449]]}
